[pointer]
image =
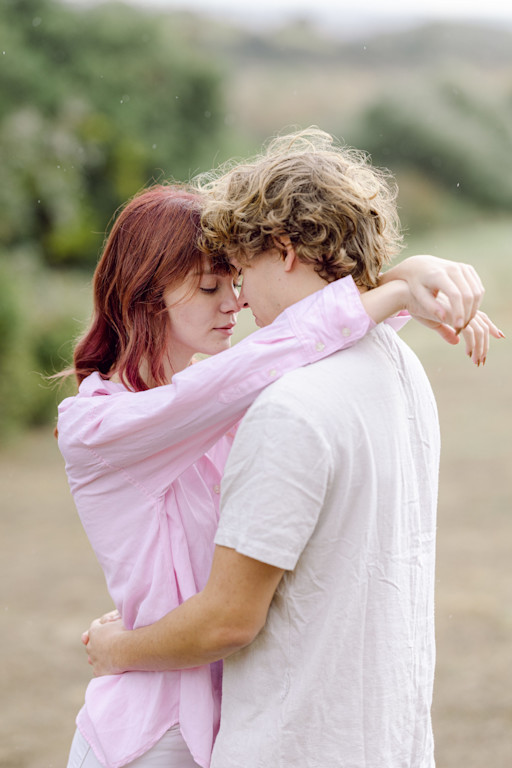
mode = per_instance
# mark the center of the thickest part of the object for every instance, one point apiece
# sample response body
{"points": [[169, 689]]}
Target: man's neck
{"points": [[303, 282]]}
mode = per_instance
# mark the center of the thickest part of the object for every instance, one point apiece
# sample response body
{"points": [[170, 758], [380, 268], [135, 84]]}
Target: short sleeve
{"points": [[274, 485]]}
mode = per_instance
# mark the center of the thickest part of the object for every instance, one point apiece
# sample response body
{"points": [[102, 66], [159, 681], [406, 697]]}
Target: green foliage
{"points": [[94, 103], [449, 141], [34, 344], [13, 357]]}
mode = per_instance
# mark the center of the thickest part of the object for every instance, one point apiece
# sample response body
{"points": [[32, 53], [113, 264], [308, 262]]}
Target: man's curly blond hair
{"points": [[338, 211]]}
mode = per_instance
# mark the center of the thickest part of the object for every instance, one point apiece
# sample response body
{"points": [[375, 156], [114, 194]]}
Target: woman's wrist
{"points": [[411, 268], [386, 300]]}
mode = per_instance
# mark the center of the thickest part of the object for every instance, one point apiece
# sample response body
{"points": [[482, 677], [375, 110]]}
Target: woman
{"points": [[146, 439]]}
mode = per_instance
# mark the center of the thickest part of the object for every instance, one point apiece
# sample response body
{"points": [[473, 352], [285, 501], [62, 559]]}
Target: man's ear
{"points": [[289, 257]]}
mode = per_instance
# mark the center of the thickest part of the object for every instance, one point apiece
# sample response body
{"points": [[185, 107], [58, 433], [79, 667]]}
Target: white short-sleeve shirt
{"points": [[333, 477]]}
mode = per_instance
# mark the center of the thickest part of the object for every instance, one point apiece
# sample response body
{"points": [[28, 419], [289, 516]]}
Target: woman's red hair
{"points": [[152, 246]]}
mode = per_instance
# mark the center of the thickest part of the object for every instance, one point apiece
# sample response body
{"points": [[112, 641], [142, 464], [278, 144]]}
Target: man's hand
{"points": [[220, 620], [440, 290], [99, 642]]}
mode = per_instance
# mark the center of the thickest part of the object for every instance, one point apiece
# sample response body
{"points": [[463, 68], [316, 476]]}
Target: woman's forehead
{"points": [[217, 265]]}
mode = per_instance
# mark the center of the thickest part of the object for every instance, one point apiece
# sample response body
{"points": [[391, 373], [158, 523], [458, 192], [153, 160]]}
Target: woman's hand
{"points": [[477, 336], [99, 641], [445, 295], [440, 290]]}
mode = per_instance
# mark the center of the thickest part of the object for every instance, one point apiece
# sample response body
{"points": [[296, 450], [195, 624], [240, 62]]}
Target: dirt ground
{"points": [[51, 585]]}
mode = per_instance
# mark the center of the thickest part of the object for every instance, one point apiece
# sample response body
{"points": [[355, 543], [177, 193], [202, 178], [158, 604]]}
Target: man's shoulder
{"points": [[346, 378], [324, 373], [302, 395]]}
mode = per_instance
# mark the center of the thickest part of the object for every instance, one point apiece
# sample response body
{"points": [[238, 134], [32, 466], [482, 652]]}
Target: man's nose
{"points": [[242, 302]]}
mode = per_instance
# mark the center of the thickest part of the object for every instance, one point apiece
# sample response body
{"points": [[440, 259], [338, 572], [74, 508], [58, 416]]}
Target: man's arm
{"points": [[226, 616]]}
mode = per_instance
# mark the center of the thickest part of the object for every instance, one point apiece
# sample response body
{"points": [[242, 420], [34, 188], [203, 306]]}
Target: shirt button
{"points": [[216, 488], [272, 373], [346, 332], [319, 346]]}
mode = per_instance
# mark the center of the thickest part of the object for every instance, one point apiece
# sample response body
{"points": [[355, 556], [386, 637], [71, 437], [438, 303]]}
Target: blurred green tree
{"points": [[444, 137], [94, 104]]}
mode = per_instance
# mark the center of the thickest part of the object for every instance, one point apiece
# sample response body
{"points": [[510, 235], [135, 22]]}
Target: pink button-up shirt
{"points": [[144, 469]]}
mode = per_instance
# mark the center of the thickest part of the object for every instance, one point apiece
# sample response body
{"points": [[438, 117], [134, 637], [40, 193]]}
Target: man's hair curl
{"points": [[338, 211]]}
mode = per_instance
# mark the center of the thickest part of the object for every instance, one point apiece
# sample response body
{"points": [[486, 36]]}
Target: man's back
{"points": [[333, 477]]}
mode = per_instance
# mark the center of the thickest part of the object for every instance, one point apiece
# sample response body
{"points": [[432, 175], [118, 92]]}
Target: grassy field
{"points": [[52, 586]]}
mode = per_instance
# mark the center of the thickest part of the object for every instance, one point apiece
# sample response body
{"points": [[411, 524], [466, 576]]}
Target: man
{"points": [[321, 591]]}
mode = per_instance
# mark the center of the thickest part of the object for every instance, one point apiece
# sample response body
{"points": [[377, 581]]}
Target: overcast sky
{"points": [[339, 11]]}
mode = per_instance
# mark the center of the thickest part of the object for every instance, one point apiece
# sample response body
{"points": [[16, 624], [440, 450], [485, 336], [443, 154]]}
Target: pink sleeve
{"points": [[398, 321], [164, 430]]}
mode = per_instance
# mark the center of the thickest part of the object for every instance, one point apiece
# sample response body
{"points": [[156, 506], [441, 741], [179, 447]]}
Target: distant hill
{"points": [[475, 43]]}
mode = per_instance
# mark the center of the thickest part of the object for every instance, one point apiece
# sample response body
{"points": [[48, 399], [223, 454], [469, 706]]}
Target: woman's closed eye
{"points": [[210, 286]]}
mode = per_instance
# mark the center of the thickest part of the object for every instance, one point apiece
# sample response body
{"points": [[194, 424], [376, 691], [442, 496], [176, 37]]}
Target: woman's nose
{"points": [[230, 300]]}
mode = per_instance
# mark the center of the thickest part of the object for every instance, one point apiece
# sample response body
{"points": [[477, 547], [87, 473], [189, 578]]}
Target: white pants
{"points": [[170, 752]]}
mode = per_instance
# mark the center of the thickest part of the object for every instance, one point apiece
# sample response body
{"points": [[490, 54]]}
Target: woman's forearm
{"points": [[386, 300], [428, 277]]}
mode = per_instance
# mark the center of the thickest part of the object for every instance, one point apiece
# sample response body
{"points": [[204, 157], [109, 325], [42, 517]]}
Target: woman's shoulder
{"points": [[76, 410], [94, 385]]}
